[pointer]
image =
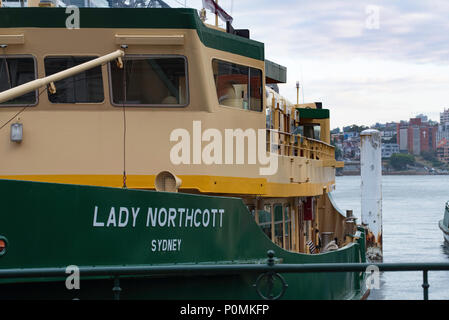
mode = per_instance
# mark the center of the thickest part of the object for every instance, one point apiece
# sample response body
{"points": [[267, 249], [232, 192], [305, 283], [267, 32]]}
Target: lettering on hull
{"points": [[123, 217], [166, 245]]}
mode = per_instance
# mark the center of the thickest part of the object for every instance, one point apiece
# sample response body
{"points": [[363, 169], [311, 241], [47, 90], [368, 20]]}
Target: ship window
{"points": [[238, 86], [252, 210], [288, 227], [265, 220], [15, 71], [278, 225], [309, 131], [150, 81], [84, 87]]}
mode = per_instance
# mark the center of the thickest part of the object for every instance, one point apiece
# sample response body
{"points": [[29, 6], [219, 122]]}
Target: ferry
{"points": [[444, 224], [134, 137]]}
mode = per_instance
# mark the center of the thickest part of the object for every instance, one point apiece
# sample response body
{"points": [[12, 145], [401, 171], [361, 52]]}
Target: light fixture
{"points": [[16, 132], [3, 245]]}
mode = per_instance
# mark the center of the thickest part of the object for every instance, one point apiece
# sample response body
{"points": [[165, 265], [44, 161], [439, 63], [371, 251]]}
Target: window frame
{"points": [[76, 56], [36, 75], [276, 223], [163, 106], [266, 224], [262, 95], [288, 234]]}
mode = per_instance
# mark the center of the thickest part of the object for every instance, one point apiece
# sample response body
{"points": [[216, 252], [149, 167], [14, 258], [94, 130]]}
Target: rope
{"points": [[22, 110]]}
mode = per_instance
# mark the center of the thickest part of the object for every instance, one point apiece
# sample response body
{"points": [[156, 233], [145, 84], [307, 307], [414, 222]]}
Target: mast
{"points": [[216, 15], [297, 92]]}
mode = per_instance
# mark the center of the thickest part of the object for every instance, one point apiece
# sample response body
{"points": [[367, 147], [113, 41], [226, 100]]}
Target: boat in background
{"points": [[444, 224]]}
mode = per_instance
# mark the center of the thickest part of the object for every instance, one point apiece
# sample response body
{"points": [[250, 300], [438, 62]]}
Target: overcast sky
{"points": [[367, 61]]}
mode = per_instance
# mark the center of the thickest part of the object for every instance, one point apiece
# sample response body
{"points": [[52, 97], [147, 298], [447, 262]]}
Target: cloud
{"points": [[364, 74], [411, 30]]}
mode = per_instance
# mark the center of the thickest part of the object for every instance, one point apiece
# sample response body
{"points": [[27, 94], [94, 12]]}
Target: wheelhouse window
{"points": [[238, 86], [15, 71], [150, 81], [84, 87]]}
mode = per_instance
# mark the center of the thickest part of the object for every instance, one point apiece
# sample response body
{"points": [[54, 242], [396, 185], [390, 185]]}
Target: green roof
{"points": [[305, 113], [275, 73], [133, 18]]}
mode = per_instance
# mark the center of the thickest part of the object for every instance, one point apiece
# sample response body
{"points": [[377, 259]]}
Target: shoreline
{"points": [[398, 173]]}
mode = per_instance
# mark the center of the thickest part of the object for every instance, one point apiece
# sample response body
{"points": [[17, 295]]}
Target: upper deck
{"points": [[178, 75], [133, 18]]}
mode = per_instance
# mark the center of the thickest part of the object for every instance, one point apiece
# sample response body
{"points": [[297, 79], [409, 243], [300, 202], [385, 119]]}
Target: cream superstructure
{"points": [[95, 143]]}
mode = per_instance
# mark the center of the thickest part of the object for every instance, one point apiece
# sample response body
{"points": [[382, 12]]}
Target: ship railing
{"points": [[294, 145], [269, 272]]}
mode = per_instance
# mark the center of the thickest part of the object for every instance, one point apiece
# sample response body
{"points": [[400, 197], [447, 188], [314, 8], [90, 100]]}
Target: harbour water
{"points": [[412, 207]]}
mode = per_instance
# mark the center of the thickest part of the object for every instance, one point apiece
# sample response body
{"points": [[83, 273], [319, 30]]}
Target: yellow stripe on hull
{"points": [[203, 184]]}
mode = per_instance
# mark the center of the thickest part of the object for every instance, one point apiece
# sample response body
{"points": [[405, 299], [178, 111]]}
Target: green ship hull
{"points": [[54, 226]]}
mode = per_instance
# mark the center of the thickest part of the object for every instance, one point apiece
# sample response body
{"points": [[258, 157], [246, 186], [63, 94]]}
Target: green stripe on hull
{"points": [[54, 225], [132, 18]]}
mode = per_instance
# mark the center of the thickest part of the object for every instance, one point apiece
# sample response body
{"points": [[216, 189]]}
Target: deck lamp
{"points": [[16, 132]]}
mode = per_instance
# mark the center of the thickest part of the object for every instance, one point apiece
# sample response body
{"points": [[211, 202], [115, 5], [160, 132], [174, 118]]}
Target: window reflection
{"points": [[15, 71], [238, 86]]}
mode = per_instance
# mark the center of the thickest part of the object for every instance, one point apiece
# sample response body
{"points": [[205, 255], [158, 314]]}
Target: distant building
{"points": [[443, 137], [391, 126], [388, 149], [423, 117], [443, 132], [349, 135], [388, 134], [444, 117], [443, 153], [417, 136], [337, 138], [403, 139]]}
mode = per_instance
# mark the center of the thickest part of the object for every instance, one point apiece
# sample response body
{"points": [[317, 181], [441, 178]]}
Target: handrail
{"points": [[270, 270], [220, 269], [299, 136], [303, 147]]}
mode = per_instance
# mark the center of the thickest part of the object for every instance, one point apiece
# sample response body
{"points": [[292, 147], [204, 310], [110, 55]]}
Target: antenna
{"points": [[216, 15]]}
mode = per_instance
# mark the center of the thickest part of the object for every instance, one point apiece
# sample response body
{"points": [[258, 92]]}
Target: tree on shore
{"points": [[355, 128], [400, 161]]}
